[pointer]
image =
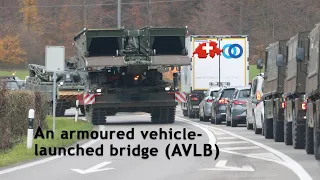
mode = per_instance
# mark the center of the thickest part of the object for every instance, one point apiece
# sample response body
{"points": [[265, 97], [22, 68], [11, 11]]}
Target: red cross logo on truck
{"points": [[207, 48]]}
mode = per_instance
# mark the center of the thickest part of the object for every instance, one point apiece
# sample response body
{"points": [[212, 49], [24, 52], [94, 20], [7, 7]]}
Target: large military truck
{"points": [[312, 90], [274, 76], [294, 90], [124, 71], [69, 86]]}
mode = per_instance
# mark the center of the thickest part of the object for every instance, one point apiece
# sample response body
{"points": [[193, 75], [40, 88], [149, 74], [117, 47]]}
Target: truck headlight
{"points": [[167, 88], [61, 83], [98, 90]]}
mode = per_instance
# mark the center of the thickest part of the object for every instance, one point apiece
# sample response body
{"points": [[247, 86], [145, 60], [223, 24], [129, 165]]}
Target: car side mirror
{"points": [[259, 63], [300, 55], [279, 60]]}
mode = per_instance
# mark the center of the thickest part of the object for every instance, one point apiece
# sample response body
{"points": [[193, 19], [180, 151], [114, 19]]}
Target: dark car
{"points": [[237, 107], [218, 108]]}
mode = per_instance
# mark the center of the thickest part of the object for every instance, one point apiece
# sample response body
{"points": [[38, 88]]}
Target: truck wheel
{"points": [[200, 117], [309, 140], [82, 110], [268, 128], [287, 132], [167, 115], [99, 116], [277, 127], [298, 133], [249, 126], [316, 138], [155, 116], [60, 109]]}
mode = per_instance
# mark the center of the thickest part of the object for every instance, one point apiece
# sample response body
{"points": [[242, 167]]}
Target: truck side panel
{"points": [[275, 75], [313, 67], [295, 80]]}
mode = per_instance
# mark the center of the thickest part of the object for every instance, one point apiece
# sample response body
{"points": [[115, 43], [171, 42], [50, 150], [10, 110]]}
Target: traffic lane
{"points": [[60, 168], [307, 162]]}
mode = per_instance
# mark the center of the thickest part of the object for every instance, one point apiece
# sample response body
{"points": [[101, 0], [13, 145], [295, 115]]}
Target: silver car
{"points": [[237, 107], [206, 103]]}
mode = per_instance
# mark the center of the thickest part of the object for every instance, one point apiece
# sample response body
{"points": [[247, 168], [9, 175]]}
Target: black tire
{"points": [[96, 116], [287, 132], [206, 118], [99, 116], [218, 120], [155, 116], [200, 117], [268, 128], [277, 127], [316, 138], [213, 120], [82, 110], [60, 109], [309, 140], [256, 130], [167, 115], [298, 133], [249, 126]]}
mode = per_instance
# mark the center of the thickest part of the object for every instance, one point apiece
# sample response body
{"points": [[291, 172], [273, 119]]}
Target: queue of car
{"points": [[234, 105]]}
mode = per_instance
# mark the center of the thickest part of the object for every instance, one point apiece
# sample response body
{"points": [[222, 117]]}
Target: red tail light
{"points": [[304, 106], [209, 100], [194, 99], [283, 104], [239, 102]]}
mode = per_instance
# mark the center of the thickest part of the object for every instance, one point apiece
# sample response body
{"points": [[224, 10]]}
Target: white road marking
{"points": [[266, 155], [241, 148], [288, 162], [96, 168], [85, 145], [232, 142], [218, 133], [222, 166], [226, 138]]}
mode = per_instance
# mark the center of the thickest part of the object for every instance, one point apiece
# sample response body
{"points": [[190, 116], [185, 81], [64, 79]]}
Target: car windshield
{"points": [[12, 85], [227, 93], [214, 94], [244, 93]]}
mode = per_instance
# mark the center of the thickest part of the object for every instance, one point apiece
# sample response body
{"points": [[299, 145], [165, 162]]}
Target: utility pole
{"points": [[219, 39], [119, 14]]}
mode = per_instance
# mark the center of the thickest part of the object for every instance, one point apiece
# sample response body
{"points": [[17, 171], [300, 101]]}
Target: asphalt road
{"points": [[243, 155]]}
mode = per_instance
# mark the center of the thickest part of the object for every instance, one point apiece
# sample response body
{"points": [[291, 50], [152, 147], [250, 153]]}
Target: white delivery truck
{"points": [[204, 71]]}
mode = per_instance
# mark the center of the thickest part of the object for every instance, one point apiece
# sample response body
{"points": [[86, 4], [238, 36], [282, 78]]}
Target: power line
{"points": [[107, 4]]}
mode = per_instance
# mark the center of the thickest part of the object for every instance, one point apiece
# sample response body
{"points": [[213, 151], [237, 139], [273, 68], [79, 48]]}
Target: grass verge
{"points": [[253, 71], [21, 74], [20, 153]]}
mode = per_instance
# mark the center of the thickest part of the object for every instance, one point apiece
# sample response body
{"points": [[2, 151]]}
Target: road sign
{"points": [[93, 169], [55, 56], [222, 166]]}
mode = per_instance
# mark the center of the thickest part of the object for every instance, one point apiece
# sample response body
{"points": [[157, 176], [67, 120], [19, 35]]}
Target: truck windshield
{"points": [[227, 93], [244, 93], [13, 85]]}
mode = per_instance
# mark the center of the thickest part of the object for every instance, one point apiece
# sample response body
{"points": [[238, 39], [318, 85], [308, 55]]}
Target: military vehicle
{"points": [[312, 92], [69, 85], [124, 71], [272, 125], [294, 90]]}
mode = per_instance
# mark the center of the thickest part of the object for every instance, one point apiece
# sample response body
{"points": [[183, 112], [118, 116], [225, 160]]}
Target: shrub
{"points": [[14, 108]]}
